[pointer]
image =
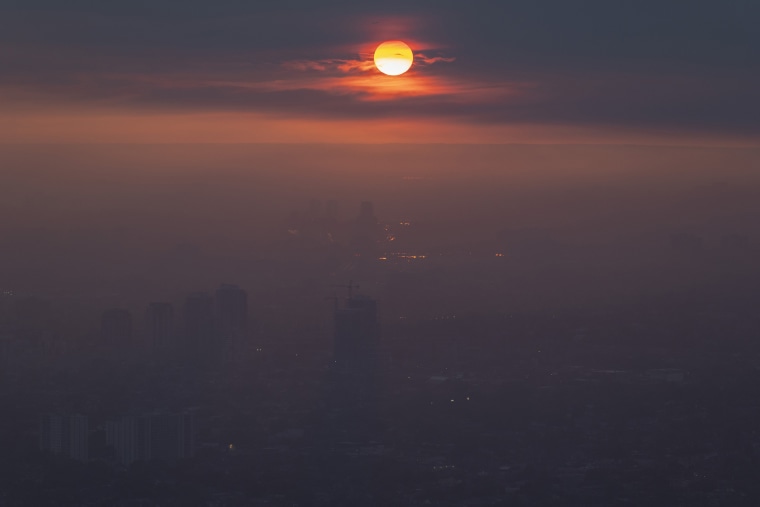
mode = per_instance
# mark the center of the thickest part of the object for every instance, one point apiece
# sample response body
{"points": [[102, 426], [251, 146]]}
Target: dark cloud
{"points": [[617, 100], [429, 60], [692, 65]]}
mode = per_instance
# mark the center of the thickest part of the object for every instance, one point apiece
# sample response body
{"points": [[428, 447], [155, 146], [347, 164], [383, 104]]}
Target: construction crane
{"points": [[350, 288]]}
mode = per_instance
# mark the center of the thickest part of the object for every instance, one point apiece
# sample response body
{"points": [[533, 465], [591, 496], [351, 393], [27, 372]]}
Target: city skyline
{"points": [[352, 253]]}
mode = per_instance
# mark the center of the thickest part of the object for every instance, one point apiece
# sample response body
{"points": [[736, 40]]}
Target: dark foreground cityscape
{"points": [[379, 253], [368, 357]]}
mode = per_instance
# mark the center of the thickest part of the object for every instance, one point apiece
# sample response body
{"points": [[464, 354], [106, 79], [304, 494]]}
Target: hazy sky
{"points": [[297, 71]]}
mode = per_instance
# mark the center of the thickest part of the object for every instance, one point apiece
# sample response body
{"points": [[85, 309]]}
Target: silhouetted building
{"points": [[231, 313], [67, 435], [127, 439], [160, 325], [7, 300], [116, 326], [164, 437], [198, 317]]}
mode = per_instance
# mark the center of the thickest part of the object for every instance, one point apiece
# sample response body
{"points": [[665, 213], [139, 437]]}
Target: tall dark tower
{"points": [[231, 313], [160, 325], [116, 326], [65, 434], [198, 317], [7, 300]]}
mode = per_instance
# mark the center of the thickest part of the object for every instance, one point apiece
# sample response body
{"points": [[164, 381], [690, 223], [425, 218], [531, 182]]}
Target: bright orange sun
{"points": [[393, 58]]}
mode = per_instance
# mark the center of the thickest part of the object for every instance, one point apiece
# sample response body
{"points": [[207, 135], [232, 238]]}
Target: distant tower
{"points": [[356, 336], [160, 325], [116, 326], [65, 434], [160, 436], [7, 300], [198, 317], [231, 312]]}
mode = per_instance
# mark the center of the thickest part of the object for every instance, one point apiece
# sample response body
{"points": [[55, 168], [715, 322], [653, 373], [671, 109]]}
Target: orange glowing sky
{"points": [[271, 75]]}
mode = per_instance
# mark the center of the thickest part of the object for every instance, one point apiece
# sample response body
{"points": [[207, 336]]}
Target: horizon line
{"points": [[334, 144]]}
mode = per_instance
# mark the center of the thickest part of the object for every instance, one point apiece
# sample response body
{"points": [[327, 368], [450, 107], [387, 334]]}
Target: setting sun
{"points": [[393, 58]]}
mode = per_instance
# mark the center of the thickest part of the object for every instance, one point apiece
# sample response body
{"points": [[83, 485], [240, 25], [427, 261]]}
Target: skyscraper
{"points": [[198, 319], [65, 434], [160, 325], [157, 436], [7, 300]]}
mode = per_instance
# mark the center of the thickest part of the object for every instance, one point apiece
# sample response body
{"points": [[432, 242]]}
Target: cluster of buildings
{"points": [[67, 435], [211, 325], [158, 436], [155, 436], [318, 228]]}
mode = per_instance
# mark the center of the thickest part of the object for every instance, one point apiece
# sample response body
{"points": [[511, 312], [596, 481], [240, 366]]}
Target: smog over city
{"points": [[420, 253]]}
